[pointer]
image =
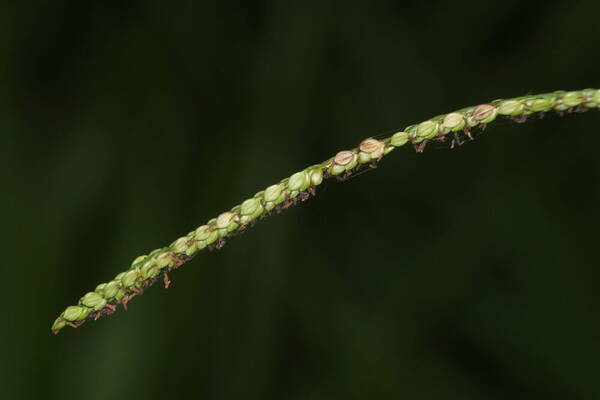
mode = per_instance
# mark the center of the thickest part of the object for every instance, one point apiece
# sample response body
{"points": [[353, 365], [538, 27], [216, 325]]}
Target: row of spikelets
{"points": [[147, 269]]}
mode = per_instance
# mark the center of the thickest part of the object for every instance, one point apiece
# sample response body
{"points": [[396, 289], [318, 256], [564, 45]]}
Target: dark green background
{"points": [[463, 274]]}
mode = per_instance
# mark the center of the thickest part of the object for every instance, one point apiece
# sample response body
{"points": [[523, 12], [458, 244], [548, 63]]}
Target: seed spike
{"points": [[145, 270]]}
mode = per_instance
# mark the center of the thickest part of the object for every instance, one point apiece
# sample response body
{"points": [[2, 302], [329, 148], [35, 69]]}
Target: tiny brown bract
{"points": [[343, 157]]}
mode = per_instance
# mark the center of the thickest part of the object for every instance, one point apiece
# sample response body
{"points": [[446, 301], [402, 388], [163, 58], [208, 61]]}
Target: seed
{"points": [[453, 121], [482, 111], [138, 260], [316, 176], [273, 192], [363, 157], [93, 300], [181, 245], [130, 278], [224, 219], [100, 288], [343, 157], [165, 259], [76, 313], [59, 323], [336, 169], [510, 107], [370, 145], [299, 181], [202, 232], [111, 289], [572, 99], [540, 104], [249, 206], [149, 269], [399, 139], [155, 252], [427, 129]]}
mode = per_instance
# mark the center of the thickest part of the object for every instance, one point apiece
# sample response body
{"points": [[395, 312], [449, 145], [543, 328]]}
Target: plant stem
{"points": [[454, 127]]}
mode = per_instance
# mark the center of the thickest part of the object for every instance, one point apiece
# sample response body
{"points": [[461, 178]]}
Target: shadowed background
{"points": [[463, 274]]}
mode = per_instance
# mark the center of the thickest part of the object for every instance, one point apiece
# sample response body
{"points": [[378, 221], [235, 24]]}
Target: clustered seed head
{"points": [[145, 269]]}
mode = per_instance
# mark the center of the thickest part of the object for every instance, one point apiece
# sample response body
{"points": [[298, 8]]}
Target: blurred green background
{"points": [[463, 274]]}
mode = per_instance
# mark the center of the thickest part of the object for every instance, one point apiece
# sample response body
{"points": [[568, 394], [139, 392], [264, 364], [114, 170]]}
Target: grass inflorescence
{"points": [[453, 128]]}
